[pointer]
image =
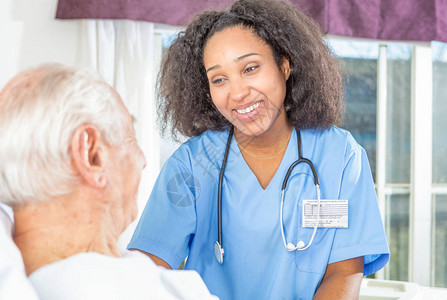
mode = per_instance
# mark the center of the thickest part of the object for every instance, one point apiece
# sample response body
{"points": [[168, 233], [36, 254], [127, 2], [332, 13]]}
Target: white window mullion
{"points": [[381, 136], [421, 165], [433, 238]]}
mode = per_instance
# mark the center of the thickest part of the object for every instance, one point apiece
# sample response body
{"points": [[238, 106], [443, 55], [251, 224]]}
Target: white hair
{"points": [[40, 109]]}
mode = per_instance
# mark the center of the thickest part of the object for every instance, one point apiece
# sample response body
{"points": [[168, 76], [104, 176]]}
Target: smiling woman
{"points": [[258, 91]]}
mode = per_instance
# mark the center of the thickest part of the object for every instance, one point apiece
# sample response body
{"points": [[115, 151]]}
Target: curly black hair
{"points": [[314, 90]]}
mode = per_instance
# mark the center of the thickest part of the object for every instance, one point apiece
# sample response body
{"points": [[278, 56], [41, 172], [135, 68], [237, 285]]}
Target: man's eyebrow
{"points": [[236, 60]]}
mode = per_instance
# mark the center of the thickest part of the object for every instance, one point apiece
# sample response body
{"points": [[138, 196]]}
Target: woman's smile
{"points": [[249, 113], [248, 109]]}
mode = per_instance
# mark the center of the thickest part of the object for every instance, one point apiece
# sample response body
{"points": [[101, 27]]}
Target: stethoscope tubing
{"points": [[298, 247], [219, 195], [300, 160], [218, 246]]}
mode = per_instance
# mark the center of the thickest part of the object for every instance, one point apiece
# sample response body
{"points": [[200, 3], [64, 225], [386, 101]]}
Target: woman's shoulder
{"points": [[210, 144], [335, 138], [207, 139]]}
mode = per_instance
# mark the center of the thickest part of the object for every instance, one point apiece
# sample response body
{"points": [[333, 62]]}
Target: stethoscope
{"points": [[218, 246]]}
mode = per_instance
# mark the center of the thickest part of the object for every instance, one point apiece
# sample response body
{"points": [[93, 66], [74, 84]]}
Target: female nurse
{"points": [[256, 88]]}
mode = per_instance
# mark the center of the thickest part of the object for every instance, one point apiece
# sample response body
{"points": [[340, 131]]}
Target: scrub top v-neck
{"points": [[250, 174], [180, 218]]}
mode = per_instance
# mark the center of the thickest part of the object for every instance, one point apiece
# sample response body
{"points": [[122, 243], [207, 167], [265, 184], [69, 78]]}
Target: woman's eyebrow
{"points": [[236, 60], [244, 56]]}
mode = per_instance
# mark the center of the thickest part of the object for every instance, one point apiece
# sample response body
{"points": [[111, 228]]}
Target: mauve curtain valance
{"points": [[409, 20]]}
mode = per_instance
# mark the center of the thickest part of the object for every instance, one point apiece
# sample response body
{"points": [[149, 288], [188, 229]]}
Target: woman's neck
{"points": [[274, 140]]}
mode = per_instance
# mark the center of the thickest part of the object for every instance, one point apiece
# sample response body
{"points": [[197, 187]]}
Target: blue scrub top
{"points": [[180, 218]]}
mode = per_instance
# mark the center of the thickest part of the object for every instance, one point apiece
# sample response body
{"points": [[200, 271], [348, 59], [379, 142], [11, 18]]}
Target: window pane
{"points": [[439, 162], [359, 60], [397, 228], [439, 112], [398, 141], [167, 39], [440, 241]]}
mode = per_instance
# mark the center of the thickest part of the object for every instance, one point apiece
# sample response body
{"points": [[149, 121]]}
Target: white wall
{"points": [[30, 35]]}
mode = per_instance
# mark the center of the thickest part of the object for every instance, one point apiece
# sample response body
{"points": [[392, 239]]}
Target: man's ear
{"points": [[87, 147], [285, 67]]}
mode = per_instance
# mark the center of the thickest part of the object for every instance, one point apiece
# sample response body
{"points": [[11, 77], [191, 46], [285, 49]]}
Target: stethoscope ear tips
{"points": [[292, 247]]}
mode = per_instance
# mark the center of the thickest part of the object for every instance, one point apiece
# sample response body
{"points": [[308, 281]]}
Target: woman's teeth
{"points": [[248, 109]]}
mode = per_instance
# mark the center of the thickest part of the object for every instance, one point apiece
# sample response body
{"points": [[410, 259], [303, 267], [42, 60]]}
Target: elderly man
{"points": [[70, 168]]}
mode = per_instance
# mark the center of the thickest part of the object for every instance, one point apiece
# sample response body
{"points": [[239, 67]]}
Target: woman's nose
{"points": [[239, 90]]}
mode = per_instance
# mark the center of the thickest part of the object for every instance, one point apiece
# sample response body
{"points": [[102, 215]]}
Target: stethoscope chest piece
{"points": [[218, 252]]}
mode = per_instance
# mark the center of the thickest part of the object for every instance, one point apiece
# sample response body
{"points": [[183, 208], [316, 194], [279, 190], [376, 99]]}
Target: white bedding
{"points": [[13, 281]]}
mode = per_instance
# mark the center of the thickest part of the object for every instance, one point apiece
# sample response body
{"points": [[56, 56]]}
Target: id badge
{"points": [[333, 213]]}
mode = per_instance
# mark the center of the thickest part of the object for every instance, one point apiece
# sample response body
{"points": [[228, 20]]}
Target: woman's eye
{"points": [[217, 81], [250, 69]]}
